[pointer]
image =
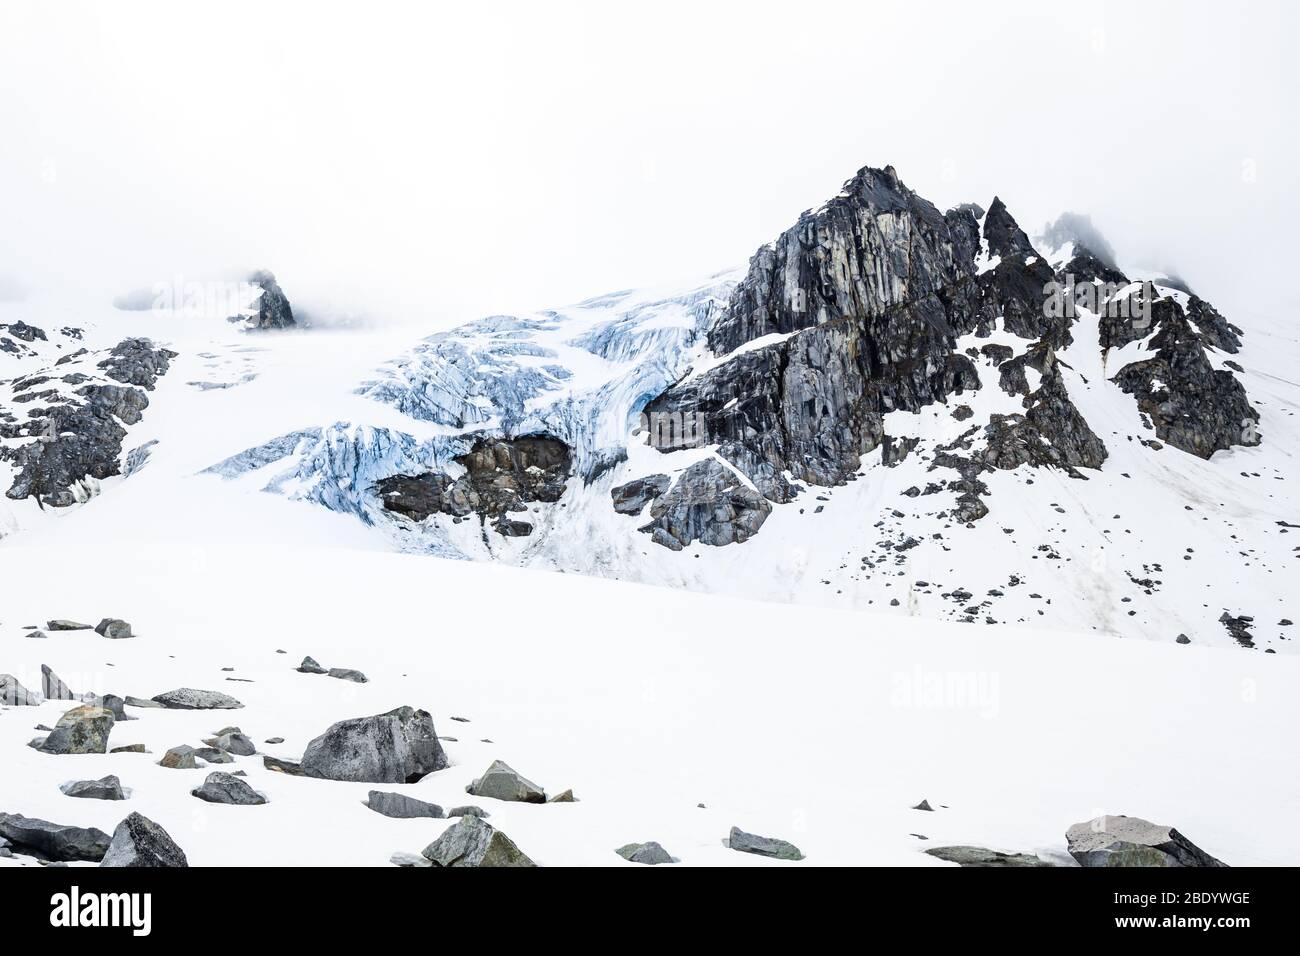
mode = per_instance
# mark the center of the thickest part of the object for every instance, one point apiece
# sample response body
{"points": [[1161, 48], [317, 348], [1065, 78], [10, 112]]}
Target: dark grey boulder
{"points": [[1131, 841], [14, 694], [226, 788], [468, 811], [187, 698], [345, 673], [53, 687], [309, 666], [213, 755], [651, 854], [709, 504], [129, 749], [52, 841], [763, 846], [401, 806], [400, 746], [105, 788], [277, 765], [63, 625], [139, 842], [924, 805], [501, 782], [631, 498], [472, 841], [113, 629], [978, 856], [179, 758], [234, 743], [82, 730]]}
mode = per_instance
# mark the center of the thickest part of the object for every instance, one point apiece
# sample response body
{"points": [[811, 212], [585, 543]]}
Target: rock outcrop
{"points": [[709, 503], [272, 310], [53, 841], [501, 477]]}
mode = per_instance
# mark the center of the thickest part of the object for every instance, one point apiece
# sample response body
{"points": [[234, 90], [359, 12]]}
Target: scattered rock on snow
{"points": [[235, 743], [53, 687], [763, 846], [1131, 841], [187, 698], [501, 782], [472, 841], [979, 856], [650, 853], [82, 730], [179, 758], [400, 746], [282, 766], [309, 666], [226, 788], [468, 811], [105, 788], [53, 841], [401, 806], [139, 842], [345, 673], [924, 805], [565, 796], [63, 625], [14, 694], [113, 629]]}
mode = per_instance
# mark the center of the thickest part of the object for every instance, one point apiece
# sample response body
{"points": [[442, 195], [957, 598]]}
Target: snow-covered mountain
{"points": [[926, 415], [892, 414]]}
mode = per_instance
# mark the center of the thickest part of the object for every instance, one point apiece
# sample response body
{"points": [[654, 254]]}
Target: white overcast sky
{"points": [[432, 160]]}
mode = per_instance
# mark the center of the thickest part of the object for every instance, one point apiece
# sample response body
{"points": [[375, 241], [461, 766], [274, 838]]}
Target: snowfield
{"points": [[815, 725]]}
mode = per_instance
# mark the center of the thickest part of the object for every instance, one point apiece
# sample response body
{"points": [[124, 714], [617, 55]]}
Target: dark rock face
{"points": [[400, 746], [78, 436], [273, 309], [139, 842], [1192, 405], [1131, 841], [502, 475], [631, 498], [709, 504], [855, 312], [51, 841]]}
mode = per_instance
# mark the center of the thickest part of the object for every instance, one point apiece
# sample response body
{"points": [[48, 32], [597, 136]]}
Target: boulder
{"points": [[344, 673], [564, 796], [472, 841], [113, 629], [282, 766], [14, 694], [501, 782], [651, 854], [82, 730], [981, 857], [468, 811], [400, 746], [63, 625], [179, 758], [105, 788], [631, 498], [52, 841], [401, 806], [129, 749], [139, 842], [187, 698], [309, 666], [213, 755], [227, 788], [1131, 841], [234, 743], [53, 687], [763, 846]]}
